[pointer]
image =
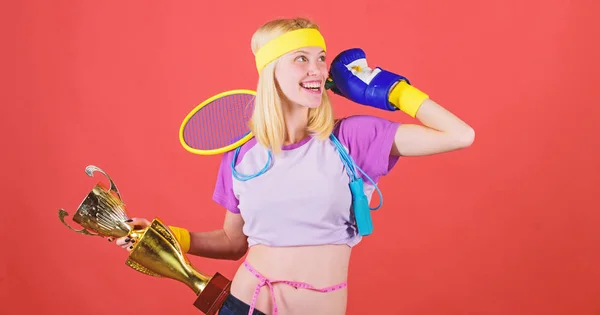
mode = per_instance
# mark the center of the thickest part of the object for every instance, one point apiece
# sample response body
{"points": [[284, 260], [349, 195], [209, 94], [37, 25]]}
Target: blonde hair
{"points": [[267, 122]]}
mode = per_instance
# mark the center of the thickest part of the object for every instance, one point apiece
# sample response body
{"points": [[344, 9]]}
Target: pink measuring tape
{"points": [[298, 285]]}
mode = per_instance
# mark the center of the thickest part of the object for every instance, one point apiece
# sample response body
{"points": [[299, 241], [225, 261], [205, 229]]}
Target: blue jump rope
{"points": [[360, 203]]}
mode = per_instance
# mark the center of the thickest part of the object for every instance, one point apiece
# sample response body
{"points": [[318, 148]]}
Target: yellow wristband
{"points": [[407, 98], [183, 237]]}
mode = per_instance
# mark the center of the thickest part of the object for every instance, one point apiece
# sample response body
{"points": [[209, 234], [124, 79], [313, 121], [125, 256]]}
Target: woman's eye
{"points": [[304, 59]]}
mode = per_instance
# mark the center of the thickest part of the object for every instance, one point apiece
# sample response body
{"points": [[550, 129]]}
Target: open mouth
{"points": [[311, 86]]}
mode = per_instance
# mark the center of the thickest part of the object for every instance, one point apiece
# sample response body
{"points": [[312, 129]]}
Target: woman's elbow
{"points": [[465, 137], [238, 252]]}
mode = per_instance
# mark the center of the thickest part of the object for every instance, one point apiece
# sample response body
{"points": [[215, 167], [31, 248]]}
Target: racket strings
{"points": [[220, 123]]}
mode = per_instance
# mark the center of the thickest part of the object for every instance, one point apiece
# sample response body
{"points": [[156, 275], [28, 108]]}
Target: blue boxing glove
{"points": [[354, 80]]}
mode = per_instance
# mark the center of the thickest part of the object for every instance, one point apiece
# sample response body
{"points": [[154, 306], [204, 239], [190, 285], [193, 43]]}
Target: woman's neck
{"points": [[296, 122]]}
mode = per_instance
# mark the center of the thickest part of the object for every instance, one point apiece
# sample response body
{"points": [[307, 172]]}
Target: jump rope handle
{"points": [[362, 211]]}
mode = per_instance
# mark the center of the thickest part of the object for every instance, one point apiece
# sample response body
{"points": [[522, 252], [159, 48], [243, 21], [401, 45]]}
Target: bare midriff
{"points": [[319, 266]]}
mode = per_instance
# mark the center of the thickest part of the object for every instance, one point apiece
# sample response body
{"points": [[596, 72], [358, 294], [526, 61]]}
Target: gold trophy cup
{"points": [[156, 251]]}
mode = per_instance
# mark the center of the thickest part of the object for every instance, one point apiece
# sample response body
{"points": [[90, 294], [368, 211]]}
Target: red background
{"points": [[508, 226]]}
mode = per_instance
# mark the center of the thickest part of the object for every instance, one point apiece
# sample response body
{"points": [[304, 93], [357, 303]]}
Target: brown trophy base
{"points": [[211, 299]]}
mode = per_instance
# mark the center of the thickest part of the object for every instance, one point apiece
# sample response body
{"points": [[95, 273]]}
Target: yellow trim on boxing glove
{"points": [[183, 237], [407, 98]]}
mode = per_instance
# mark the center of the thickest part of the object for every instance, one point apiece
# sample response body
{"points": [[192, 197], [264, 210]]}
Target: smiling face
{"points": [[301, 76]]}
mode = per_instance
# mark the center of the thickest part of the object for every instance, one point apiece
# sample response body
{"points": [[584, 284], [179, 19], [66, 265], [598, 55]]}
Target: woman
{"points": [[295, 220]]}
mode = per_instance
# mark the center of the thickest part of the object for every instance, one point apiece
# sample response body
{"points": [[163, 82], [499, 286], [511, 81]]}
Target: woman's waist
{"points": [[302, 268], [321, 265]]}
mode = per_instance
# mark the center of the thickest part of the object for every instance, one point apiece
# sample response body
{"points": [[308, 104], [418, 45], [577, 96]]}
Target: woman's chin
{"points": [[313, 101], [312, 104]]}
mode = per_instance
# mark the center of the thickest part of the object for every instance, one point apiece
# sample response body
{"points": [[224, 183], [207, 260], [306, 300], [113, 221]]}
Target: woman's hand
{"points": [[136, 224]]}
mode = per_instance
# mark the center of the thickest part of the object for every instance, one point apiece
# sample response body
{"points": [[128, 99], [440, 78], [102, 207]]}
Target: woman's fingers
{"points": [[127, 242], [138, 223]]}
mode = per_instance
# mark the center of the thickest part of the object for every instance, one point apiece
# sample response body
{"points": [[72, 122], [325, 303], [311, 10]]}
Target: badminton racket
{"points": [[221, 122]]}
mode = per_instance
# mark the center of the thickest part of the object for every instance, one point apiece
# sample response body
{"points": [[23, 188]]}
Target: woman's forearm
{"points": [[437, 117], [441, 131], [417, 104], [215, 244]]}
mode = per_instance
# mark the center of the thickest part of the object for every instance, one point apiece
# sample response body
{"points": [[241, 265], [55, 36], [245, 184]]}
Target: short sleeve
{"points": [[369, 140], [223, 193]]}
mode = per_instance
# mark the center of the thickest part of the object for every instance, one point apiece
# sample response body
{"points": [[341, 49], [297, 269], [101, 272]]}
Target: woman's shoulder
{"points": [[238, 153], [363, 127], [369, 140]]}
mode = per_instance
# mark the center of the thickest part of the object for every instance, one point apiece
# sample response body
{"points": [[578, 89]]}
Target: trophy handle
{"points": [[90, 169], [62, 214]]}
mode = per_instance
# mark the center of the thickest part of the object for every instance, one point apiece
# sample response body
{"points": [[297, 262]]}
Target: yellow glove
{"points": [[407, 98], [183, 237]]}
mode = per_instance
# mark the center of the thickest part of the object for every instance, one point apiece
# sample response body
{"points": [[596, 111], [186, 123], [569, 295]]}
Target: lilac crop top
{"points": [[303, 198]]}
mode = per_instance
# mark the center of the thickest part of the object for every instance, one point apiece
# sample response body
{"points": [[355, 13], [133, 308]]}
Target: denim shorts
{"points": [[234, 306]]}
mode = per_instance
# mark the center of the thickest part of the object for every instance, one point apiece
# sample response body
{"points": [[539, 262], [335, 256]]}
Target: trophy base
{"points": [[213, 296]]}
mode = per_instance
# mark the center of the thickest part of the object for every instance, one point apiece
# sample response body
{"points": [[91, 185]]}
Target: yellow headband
{"points": [[288, 42]]}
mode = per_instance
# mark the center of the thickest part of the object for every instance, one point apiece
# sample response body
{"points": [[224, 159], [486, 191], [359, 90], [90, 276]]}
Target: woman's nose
{"points": [[313, 69]]}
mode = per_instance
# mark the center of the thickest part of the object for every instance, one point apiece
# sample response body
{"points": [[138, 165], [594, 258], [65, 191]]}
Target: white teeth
{"points": [[311, 85]]}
